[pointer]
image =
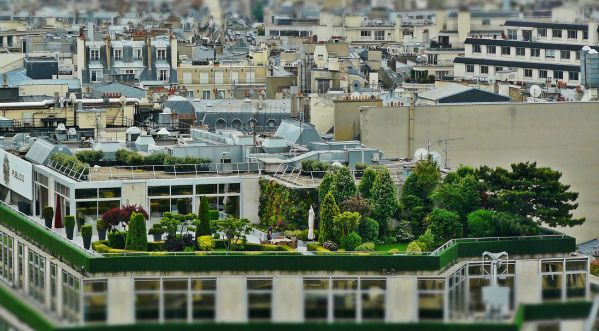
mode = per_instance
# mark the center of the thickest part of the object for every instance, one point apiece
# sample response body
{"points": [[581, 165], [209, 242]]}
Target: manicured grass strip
{"points": [[23, 311], [386, 247]]}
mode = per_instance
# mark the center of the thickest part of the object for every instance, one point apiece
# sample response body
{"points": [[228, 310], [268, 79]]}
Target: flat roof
{"points": [[517, 64], [527, 44], [547, 25]]}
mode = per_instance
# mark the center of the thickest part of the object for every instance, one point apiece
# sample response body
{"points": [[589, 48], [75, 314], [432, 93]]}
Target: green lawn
{"points": [[385, 247]]}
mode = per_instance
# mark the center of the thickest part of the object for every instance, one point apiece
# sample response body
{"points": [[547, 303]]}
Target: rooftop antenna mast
{"points": [[446, 149]]}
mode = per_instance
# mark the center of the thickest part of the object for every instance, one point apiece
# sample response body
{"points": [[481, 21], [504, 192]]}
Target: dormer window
{"points": [[118, 54], [137, 53], [94, 54], [161, 54]]}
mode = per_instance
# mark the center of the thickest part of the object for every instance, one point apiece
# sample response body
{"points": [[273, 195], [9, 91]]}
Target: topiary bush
{"points": [[89, 156], [351, 241], [116, 239], [213, 215], [331, 246], [183, 205], [137, 239], [203, 226], [206, 243], [365, 247]]}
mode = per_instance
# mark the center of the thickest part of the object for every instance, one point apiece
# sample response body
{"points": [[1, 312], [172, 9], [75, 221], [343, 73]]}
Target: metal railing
{"points": [[75, 171], [155, 171], [292, 174]]}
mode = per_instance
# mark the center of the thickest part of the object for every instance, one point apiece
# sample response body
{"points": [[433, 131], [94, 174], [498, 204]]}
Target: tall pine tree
{"points": [[328, 211], [384, 200]]}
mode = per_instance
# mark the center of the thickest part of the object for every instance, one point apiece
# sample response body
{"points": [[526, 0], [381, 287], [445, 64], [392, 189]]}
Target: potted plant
{"points": [[48, 215], [80, 221], [156, 231], [69, 226], [86, 233], [101, 227]]}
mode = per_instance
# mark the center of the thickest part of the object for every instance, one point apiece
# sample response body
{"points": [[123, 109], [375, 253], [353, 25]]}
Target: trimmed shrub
{"points": [[100, 225], [213, 215], [351, 241], [206, 243], [86, 231], [183, 206], [427, 241], [137, 239], [414, 248], [203, 227], [47, 212], [368, 229], [403, 232], [331, 246], [316, 247], [89, 156], [156, 246], [328, 212], [116, 239], [365, 247]]}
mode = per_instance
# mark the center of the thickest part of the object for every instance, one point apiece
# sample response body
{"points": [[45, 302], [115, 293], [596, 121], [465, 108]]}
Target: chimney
{"points": [[108, 51], [149, 46], [90, 31]]}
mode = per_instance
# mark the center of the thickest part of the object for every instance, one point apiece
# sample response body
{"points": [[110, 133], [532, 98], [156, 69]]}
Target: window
{"points": [[585, 34], [6, 258], [95, 299], [234, 77], [218, 77], [476, 49], [379, 35], [344, 299], [364, 33], [129, 71], [206, 94], [505, 50], [563, 279], [259, 292], [528, 73], [250, 77], [564, 55], [512, 34], [203, 299], [572, 34], [431, 297], [137, 53], [203, 78], [520, 51], [187, 78], [118, 54], [573, 75], [486, 21], [322, 85], [542, 73], [174, 299], [147, 299], [94, 54], [220, 94], [161, 54], [577, 56], [470, 68], [542, 33], [163, 74], [556, 33], [491, 50], [70, 296], [95, 76], [484, 69], [527, 35], [557, 74], [535, 52], [550, 53]]}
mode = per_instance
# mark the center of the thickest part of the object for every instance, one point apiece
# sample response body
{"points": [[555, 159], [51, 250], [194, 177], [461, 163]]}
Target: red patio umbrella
{"points": [[57, 214]]}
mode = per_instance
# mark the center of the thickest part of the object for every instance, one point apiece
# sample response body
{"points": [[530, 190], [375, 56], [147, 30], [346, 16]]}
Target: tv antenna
{"points": [[446, 149]]}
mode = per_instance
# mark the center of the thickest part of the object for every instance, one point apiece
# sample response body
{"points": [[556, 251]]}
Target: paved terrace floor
{"points": [[112, 173]]}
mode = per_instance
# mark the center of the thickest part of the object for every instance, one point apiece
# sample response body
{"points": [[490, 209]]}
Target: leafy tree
{"points": [[233, 229], [506, 224], [358, 205], [458, 194], [368, 229], [384, 200], [480, 223], [414, 248], [328, 212], [203, 226], [344, 186], [531, 191], [346, 222], [444, 225], [326, 185], [137, 239], [367, 180], [413, 210], [403, 232], [350, 241], [423, 180], [427, 241]]}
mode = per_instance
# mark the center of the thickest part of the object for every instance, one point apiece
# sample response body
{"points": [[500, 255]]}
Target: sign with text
{"points": [[17, 174]]}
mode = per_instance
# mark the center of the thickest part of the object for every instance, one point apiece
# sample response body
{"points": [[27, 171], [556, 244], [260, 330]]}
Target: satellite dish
{"points": [[535, 91]]}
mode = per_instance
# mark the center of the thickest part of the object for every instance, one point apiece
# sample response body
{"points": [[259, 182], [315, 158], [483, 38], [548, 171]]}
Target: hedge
{"points": [[23, 311], [283, 206]]}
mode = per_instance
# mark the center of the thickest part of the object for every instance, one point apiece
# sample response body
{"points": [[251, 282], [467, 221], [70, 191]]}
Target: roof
{"points": [[516, 64], [43, 148], [528, 44], [116, 87], [19, 78], [243, 106], [439, 93], [456, 93], [589, 248], [528, 24]]}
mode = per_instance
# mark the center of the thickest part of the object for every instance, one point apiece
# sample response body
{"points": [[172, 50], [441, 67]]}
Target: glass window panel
{"points": [[198, 284], [232, 188], [476, 293], [344, 306], [315, 306], [552, 287], [345, 284], [576, 265], [174, 284], [203, 306], [104, 206], [206, 189], [259, 284], [159, 206], [158, 191], [366, 284], [431, 284], [576, 286], [94, 308], [182, 190], [259, 306], [147, 285], [87, 210], [430, 306], [175, 306], [147, 306], [552, 266], [86, 193], [316, 284], [109, 193], [95, 286], [373, 305]]}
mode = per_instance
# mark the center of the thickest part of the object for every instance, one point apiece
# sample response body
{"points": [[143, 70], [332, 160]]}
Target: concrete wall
{"points": [[134, 193], [527, 281], [250, 199], [347, 117], [562, 136], [321, 112]]}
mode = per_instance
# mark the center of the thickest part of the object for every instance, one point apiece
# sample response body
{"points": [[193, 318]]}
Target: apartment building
{"points": [[529, 52]]}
